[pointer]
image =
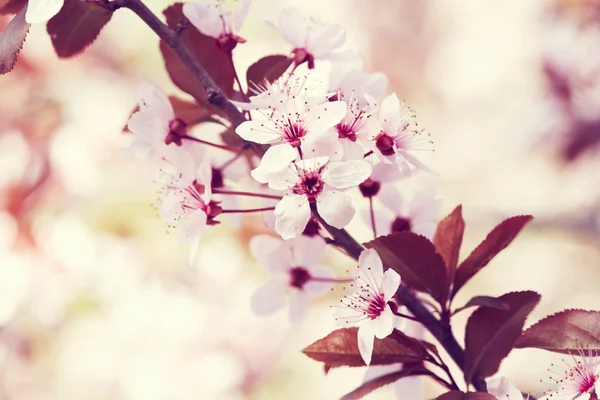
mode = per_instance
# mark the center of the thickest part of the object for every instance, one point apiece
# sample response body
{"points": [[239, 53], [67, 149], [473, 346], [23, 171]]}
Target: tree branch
{"points": [[217, 98]]}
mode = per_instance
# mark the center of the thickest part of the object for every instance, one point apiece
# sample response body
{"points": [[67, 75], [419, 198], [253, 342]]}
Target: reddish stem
{"points": [[218, 146], [250, 210], [247, 194]]}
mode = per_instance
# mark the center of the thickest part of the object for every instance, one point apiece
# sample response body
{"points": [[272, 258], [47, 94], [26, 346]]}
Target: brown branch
{"points": [[217, 98]]}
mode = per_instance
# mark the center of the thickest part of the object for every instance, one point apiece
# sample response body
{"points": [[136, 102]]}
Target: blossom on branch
{"points": [[399, 135], [316, 181], [295, 274], [155, 126], [502, 389], [221, 19], [579, 381], [368, 306], [39, 11], [312, 38]]}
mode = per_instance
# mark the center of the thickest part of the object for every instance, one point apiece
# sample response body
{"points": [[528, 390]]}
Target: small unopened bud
{"points": [[369, 188]]}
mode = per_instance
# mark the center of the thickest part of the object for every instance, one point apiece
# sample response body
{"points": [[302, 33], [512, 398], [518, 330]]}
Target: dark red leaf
{"points": [[76, 26], [415, 259], [189, 111], [381, 381], [491, 333], [268, 68], [11, 6], [568, 331], [456, 395], [484, 301], [11, 41], [340, 349], [496, 241], [205, 50], [448, 238]]}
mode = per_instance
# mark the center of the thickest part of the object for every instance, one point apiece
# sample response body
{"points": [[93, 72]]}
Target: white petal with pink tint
{"points": [[261, 131], [389, 284], [346, 174], [272, 253], [292, 214], [317, 287], [366, 337], [205, 17], [371, 267], [384, 325], [503, 389], [42, 10], [154, 98], [389, 114], [193, 225], [293, 26], [270, 297], [298, 306], [308, 251], [276, 158], [326, 115], [336, 208]]}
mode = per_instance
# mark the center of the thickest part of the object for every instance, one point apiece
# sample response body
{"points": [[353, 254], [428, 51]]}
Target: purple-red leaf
{"points": [[340, 349], [268, 69], [496, 241], [456, 395], [11, 41], [381, 381], [492, 333], [76, 26], [484, 301], [448, 238], [204, 49], [568, 331], [11, 6], [415, 259]]}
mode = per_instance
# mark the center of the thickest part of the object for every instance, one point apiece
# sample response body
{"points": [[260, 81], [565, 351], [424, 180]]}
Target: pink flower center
{"points": [[298, 277], [385, 144], [177, 129], [311, 186], [584, 378], [376, 306], [301, 55], [401, 224], [192, 200], [346, 131], [292, 133], [369, 188]]}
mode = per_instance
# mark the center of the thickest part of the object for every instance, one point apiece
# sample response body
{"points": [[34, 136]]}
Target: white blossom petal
{"points": [[259, 131], [366, 337], [389, 114], [293, 27], [270, 297], [205, 16], [193, 225], [154, 99], [327, 115], [298, 306], [308, 251], [336, 208], [317, 287], [42, 10], [371, 267], [346, 174], [273, 253], [274, 161], [503, 389], [292, 214], [384, 324], [389, 284]]}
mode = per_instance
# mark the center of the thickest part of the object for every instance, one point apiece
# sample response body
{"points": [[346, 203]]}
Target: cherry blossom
{"points": [[297, 120], [312, 38], [316, 181], [220, 19], [295, 274], [155, 125], [368, 306], [382, 173], [579, 381], [418, 216], [39, 11], [502, 389], [188, 204], [399, 136]]}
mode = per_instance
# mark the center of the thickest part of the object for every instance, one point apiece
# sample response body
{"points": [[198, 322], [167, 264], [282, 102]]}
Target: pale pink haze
{"points": [[297, 128], [368, 306], [293, 265], [217, 18], [502, 389], [316, 181], [152, 124], [39, 11], [579, 381], [419, 215], [399, 136]]}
